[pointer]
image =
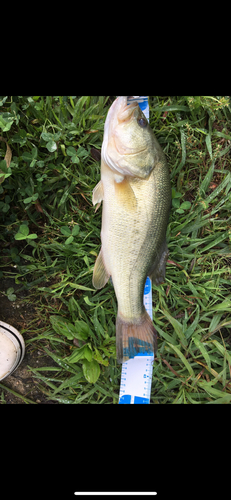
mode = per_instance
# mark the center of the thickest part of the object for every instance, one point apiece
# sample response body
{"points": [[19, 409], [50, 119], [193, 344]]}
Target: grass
{"points": [[50, 237]]}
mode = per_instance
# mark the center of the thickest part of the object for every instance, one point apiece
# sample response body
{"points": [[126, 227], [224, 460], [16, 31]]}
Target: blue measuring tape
{"points": [[136, 375]]}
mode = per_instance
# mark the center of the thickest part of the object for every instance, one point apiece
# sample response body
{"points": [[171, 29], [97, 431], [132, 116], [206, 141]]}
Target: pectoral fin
{"points": [[100, 273], [97, 195], [125, 195]]}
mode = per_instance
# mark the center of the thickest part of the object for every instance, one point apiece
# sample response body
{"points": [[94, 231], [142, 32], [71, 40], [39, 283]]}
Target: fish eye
{"points": [[142, 122]]}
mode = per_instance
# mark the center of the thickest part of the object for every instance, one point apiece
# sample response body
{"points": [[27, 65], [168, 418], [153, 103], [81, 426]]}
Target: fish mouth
{"points": [[126, 110], [122, 109], [124, 114]]}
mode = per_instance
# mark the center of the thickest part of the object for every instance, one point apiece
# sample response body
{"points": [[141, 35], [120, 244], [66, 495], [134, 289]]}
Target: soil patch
{"points": [[19, 314]]}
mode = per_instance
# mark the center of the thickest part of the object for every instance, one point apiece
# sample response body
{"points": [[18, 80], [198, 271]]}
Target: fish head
{"points": [[129, 145]]}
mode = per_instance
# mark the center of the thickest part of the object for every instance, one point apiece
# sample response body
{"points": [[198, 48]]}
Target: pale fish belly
{"points": [[132, 237]]}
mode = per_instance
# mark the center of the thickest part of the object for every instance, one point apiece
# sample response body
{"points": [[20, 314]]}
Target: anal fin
{"points": [[100, 274], [157, 270]]}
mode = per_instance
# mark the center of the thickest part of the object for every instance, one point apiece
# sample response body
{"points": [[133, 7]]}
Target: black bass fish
{"points": [[136, 194]]}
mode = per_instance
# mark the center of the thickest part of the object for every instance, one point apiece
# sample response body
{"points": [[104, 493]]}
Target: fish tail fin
{"points": [[136, 338]]}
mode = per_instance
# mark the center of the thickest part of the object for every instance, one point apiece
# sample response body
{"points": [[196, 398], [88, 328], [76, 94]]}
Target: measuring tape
{"points": [[136, 375]]}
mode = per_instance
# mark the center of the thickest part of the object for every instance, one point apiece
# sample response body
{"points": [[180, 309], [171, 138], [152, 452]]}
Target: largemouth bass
{"points": [[136, 194]]}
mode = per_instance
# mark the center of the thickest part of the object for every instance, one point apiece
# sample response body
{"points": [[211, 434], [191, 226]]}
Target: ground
{"points": [[50, 238]]}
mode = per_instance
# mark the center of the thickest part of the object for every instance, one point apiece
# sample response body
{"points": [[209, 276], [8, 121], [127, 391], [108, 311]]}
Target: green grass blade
{"points": [[183, 359], [177, 327], [203, 351]]}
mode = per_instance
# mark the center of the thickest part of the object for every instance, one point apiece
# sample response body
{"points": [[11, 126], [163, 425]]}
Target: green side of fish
{"points": [[136, 193]]}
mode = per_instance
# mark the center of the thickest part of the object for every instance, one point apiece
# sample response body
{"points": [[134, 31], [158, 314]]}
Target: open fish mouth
{"points": [[124, 114], [124, 110], [127, 110]]}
